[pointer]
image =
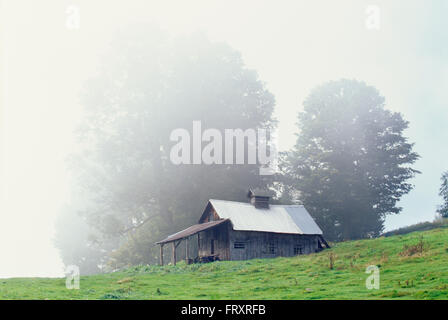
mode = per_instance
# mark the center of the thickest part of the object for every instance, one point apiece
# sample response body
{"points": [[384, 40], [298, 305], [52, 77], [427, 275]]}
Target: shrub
{"points": [[410, 250]]}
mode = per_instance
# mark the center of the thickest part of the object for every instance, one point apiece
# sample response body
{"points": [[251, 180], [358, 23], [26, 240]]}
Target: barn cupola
{"points": [[259, 199]]}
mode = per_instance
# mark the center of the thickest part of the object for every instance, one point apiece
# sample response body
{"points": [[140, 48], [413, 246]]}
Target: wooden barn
{"points": [[229, 230]]}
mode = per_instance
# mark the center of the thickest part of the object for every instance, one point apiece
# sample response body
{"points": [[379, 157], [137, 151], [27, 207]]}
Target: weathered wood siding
{"points": [[219, 236], [251, 244], [243, 245], [209, 215]]}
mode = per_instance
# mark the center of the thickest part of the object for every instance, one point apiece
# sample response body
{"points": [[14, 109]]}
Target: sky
{"points": [[47, 57]]}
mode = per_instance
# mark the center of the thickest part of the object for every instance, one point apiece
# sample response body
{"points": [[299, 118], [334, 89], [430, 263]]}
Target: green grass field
{"points": [[407, 271]]}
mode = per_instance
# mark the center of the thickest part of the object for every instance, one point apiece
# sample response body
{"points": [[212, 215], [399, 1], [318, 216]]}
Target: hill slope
{"points": [[412, 266]]}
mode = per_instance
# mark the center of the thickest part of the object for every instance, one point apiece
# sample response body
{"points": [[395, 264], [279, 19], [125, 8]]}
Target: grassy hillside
{"points": [[413, 266]]}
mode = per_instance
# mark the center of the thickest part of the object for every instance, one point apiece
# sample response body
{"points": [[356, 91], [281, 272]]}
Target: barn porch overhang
{"points": [[176, 239], [191, 231]]}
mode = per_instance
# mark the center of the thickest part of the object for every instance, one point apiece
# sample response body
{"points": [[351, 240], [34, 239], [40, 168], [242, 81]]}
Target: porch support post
{"points": [[186, 250], [174, 253], [199, 244], [161, 254]]}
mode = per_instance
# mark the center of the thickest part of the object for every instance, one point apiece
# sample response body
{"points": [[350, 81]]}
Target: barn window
{"points": [[212, 246], [239, 245], [298, 249], [272, 247]]}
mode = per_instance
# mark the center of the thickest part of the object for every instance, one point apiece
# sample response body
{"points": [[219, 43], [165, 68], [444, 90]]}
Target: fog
{"points": [[293, 45]]}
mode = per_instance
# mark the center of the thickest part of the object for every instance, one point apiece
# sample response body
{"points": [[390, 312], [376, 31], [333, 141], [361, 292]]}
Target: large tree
{"points": [[350, 164], [443, 209], [150, 85]]}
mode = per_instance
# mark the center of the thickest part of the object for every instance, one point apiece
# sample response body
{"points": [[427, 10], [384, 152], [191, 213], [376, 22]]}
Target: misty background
{"points": [[294, 46]]}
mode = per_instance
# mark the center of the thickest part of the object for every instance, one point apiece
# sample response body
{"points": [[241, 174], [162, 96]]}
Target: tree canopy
{"points": [[350, 164]]}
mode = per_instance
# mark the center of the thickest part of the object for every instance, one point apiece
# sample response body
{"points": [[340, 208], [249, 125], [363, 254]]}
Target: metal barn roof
{"points": [[278, 218]]}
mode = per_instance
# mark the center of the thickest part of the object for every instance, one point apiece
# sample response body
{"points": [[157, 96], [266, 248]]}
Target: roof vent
{"points": [[259, 198]]}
